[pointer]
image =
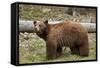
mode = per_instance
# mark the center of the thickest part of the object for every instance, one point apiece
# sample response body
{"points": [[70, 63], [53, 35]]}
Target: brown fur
{"points": [[68, 34]]}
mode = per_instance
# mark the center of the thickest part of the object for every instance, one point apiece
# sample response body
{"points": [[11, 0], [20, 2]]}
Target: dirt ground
{"points": [[32, 49]]}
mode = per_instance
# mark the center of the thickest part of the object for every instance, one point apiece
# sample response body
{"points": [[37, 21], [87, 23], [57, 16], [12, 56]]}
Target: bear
{"points": [[65, 33]]}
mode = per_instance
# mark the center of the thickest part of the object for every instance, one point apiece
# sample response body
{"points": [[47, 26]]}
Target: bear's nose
{"points": [[37, 28], [34, 29]]}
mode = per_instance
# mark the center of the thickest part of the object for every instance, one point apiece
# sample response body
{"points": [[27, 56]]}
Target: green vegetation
{"points": [[54, 13], [33, 50]]}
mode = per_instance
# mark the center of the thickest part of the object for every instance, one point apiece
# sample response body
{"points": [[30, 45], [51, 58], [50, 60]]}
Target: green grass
{"points": [[36, 12], [33, 50]]}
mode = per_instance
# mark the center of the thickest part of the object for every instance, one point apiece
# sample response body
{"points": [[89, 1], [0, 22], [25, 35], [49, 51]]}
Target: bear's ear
{"points": [[46, 21], [34, 22]]}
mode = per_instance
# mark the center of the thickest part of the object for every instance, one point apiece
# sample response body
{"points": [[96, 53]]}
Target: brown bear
{"points": [[66, 33]]}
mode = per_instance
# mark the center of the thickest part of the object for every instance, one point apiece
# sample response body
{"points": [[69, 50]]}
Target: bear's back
{"points": [[66, 32], [65, 27]]}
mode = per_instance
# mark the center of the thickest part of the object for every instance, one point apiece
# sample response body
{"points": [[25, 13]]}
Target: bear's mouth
{"points": [[39, 32]]}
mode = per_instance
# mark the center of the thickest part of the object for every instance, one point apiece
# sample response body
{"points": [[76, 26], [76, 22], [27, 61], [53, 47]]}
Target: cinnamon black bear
{"points": [[66, 33]]}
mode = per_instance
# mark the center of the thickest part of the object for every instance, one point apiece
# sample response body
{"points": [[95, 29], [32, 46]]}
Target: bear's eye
{"points": [[39, 25]]}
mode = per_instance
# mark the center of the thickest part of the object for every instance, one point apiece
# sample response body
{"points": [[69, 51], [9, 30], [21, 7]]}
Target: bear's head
{"points": [[40, 27]]}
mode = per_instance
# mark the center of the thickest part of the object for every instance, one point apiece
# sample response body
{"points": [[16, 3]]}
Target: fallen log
{"points": [[90, 27], [27, 26]]}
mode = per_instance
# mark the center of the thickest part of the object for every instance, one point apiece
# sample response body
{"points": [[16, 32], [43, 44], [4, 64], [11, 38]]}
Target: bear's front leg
{"points": [[51, 48], [59, 51]]}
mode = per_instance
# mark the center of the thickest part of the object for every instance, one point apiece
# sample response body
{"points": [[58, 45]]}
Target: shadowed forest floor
{"points": [[32, 49]]}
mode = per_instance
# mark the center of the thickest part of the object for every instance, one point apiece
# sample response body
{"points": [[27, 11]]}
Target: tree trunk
{"points": [[27, 26]]}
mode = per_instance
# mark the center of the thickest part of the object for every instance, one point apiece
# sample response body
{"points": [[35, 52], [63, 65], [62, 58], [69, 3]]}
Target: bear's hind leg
{"points": [[75, 50], [84, 50]]}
